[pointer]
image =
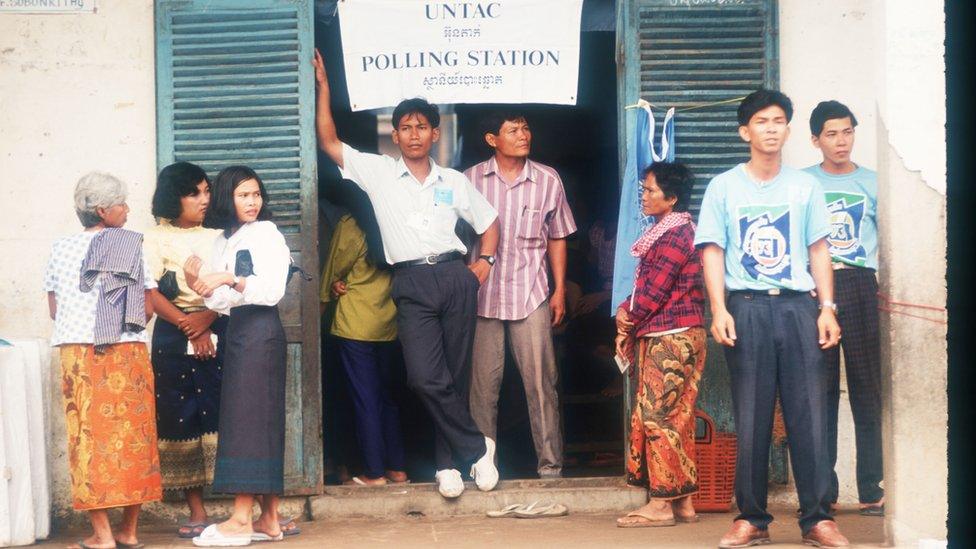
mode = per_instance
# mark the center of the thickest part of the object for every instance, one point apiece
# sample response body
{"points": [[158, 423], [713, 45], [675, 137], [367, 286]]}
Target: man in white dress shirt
{"points": [[417, 205]]}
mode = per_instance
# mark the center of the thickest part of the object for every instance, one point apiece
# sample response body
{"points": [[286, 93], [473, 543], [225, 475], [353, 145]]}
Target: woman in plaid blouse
{"points": [[664, 320]]}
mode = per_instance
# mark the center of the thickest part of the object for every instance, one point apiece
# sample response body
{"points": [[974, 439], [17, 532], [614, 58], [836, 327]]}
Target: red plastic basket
{"points": [[715, 458]]}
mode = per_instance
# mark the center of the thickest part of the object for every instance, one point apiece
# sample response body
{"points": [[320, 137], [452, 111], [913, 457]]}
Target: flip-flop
{"points": [[542, 510], [81, 543], [872, 511], [289, 527], [506, 511], [688, 519], [194, 530], [261, 536], [124, 545], [646, 522], [211, 537]]}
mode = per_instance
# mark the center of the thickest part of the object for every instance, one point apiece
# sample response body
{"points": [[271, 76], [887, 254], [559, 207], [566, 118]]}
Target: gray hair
{"points": [[97, 190]]}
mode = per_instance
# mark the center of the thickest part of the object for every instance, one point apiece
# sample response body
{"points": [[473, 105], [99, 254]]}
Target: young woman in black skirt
{"points": [[186, 363], [246, 280]]}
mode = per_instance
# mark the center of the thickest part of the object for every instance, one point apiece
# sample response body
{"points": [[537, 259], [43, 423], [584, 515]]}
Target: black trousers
{"points": [[436, 313], [856, 294], [776, 350]]}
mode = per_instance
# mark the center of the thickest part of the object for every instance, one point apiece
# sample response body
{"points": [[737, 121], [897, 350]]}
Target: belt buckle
{"points": [[430, 259], [773, 291]]}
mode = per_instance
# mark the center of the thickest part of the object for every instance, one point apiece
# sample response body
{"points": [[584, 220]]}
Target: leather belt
{"points": [[429, 260]]}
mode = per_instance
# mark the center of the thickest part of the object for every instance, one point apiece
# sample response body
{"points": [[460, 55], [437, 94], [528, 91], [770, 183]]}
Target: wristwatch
{"points": [[489, 258], [828, 305]]}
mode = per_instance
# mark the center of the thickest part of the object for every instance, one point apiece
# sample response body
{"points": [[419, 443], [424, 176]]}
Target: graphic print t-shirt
{"points": [[764, 229], [852, 200]]}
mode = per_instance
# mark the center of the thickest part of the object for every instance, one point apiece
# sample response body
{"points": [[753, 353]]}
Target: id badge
{"points": [[443, 197]]}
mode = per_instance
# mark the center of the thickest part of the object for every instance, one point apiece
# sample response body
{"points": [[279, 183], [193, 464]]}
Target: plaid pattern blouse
{"points": [[668, 288]]}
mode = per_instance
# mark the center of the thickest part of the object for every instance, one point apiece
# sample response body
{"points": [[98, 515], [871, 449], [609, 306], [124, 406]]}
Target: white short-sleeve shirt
{"points": [[75, 319], [270, 259], [416, 219]]}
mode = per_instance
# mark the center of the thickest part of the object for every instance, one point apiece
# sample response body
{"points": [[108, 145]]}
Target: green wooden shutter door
{"points": [[235, 86], [685, 55]]}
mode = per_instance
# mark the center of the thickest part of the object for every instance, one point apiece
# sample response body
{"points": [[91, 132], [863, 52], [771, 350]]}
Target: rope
{"points": [[691, 108], [888, 300]]}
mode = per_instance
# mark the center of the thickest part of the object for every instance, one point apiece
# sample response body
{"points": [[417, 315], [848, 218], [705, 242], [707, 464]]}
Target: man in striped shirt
{"points": [[535, 220]]}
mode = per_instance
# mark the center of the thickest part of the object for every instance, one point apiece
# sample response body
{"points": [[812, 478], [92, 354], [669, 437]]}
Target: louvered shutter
{"points": [[234, 86], [696, 52]]}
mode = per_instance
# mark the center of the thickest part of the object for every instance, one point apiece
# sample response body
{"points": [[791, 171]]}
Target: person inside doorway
{"points": [[534, 220], [357, 276], [417, 205], [762, 231], [852, 200]]}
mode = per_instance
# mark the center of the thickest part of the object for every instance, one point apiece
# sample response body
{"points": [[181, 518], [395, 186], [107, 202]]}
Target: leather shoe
{"points": [[743, 534], [825, 534]]}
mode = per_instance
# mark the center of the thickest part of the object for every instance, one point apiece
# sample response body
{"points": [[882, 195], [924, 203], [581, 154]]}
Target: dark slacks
{"points": [[856, 294], [777, 351], [367, 365], [436, 313]]}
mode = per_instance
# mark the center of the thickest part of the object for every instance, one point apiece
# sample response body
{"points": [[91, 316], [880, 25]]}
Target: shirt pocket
{"points": [[529, 228]]}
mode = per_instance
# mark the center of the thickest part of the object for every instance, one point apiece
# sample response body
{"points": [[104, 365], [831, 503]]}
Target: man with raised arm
{"points": [[417, 205], [762, 231]]}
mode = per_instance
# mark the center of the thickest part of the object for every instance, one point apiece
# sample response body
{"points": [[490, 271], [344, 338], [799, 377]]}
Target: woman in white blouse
{"points": [[246, 280]]}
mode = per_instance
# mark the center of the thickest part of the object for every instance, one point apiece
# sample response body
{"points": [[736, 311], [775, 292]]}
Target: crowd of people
{"points": [[772, 248]]}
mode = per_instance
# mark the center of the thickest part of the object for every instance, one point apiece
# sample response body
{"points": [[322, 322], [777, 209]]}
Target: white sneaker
{"points": [[449, 483], [484, 472]]}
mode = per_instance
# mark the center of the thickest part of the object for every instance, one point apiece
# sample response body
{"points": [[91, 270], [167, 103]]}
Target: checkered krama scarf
{"points": [[650, 236]]}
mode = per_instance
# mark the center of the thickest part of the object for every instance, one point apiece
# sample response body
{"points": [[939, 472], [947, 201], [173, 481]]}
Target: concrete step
{"points": [[580, 495]]}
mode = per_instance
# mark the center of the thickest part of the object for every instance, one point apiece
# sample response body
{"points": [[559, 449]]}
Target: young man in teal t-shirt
{"points": [[851, 192], [762, 230]]}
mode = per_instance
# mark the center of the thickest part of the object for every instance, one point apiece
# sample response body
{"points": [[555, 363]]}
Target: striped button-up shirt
{"points": [[531, 210]]}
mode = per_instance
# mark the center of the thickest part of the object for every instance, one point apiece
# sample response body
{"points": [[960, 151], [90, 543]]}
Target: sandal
{"points": [[190, 530], [643, 521], [289, 527], [872, 510], [506, 511], [124, 545], [542, 511]]}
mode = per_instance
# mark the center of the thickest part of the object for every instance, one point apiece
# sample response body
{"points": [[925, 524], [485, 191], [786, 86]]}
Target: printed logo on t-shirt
{"points": [[765, 234], [846, 213]]}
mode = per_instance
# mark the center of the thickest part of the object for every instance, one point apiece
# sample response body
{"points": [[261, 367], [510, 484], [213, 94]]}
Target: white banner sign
{"points": [[505, 51], [47, 6]]}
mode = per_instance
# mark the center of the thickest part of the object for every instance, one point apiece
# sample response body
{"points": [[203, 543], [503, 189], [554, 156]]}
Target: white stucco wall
{"points": [[827, 51], [77, 93]]}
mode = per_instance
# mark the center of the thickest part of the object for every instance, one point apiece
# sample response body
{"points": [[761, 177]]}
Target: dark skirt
{"points": [[187, 406], [251, 448]]}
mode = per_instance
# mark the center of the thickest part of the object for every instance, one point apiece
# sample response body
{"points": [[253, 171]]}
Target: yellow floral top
{"points": [[366, 312], [167, 248]]}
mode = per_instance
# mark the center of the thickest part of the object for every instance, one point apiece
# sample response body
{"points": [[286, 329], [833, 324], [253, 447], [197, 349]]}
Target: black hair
{"points": [[761, 99], [417, 105], [173, 183], [222, 214], [829, 110], [675, 180], [492, 122], [357, 203]]}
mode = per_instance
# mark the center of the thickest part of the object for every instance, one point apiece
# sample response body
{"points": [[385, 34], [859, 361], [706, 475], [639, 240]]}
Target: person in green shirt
{"points": [[358, 278]]}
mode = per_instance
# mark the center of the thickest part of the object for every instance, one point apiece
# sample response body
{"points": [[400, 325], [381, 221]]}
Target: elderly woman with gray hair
{"points": [[97, 285]]}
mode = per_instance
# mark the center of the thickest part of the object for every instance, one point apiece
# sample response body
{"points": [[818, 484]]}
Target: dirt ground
{"points": [[575, 530]]}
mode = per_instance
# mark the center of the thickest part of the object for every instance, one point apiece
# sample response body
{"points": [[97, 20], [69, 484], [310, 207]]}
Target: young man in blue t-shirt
{"points": [[762, 231], [852, 200]]}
